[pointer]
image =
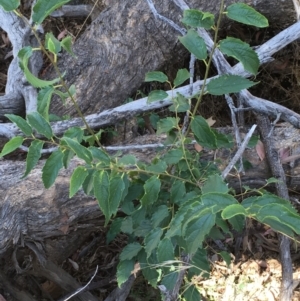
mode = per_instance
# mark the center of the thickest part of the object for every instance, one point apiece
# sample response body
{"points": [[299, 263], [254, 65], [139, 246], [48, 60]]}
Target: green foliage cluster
{"points": [[172, 205]]}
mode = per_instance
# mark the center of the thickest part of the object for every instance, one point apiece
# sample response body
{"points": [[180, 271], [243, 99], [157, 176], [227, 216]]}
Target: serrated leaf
{"points": [[77, 179], [24, 55], [173, 156], [237, 222], [66, 44], [181, 76], [217, 201], [68, 155], [242, 52], [197, 18], [21, 123], [203, 133], [180, 104], [126, 226], [130, 251], [88, 183], [81, 151], [199, 264], [150, 273], [226, 257], [226, 84], [127, 160], [156, 76], [281, 215], [169, 280], [177, 191], [159, 215], [194, 237], [165, 251], [158, 167], [99, 155], [11, 145], [152, 240], [192, 293], [214, 183], [167, 124], [51, 168], [44, 98], [114, 229], [101, 191], [151, 188], [74, 132], [156, 95], [9, 5], [44, 8], [38, 122], [194, 44], [33, 156], [233, 210], [52, 43], [124, 269], [245, 14], [116, 188]]}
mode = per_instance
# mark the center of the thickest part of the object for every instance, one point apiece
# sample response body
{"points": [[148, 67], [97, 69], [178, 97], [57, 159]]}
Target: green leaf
{"points": [[180, 104], [272, 180], [226, 84], [159, 215], [74, 132], [43, 8], [88, 183], [130, 251], [114, 229], [156, 76], [77, 179], [44, 98], [165, 251], [68, 155], [101, 191], [245, 14], [38, 122], [11, 145], [242, 52], [150, 273], [51, 168], [233, 210], [199, 264], [127, 160], [203, 134], [169, 280], [177, 191], [278, 215], [226, 257], [158, 167], [24, 55], [167, 124], [126, 225], [194, 44], [99, 155], [152, 240], [173, 156], [156, 95], [33, 156], [237, 222], [81, 152], [214, 183], [52, 43], [116, 188], [66, 44], [151, 188], [124, 269], [21, 123], [217, 201], [194, 237], [9, 5], [196, 18], [192, 293], [181, 76]]}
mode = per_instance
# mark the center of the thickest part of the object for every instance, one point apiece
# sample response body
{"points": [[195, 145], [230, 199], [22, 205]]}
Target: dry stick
{"points": [[239, 153], [282, 191]]}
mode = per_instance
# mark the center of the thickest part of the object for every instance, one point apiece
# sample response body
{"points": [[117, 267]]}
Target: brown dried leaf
{"points": [[62, 34], [74, 264], [210, 121], [2, 298], [260, 150], [198, 147], [136, 269]]}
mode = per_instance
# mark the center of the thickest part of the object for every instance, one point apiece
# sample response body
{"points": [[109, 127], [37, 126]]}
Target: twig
{"points": [[78, 291], [239, 152], [282, 191]]}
